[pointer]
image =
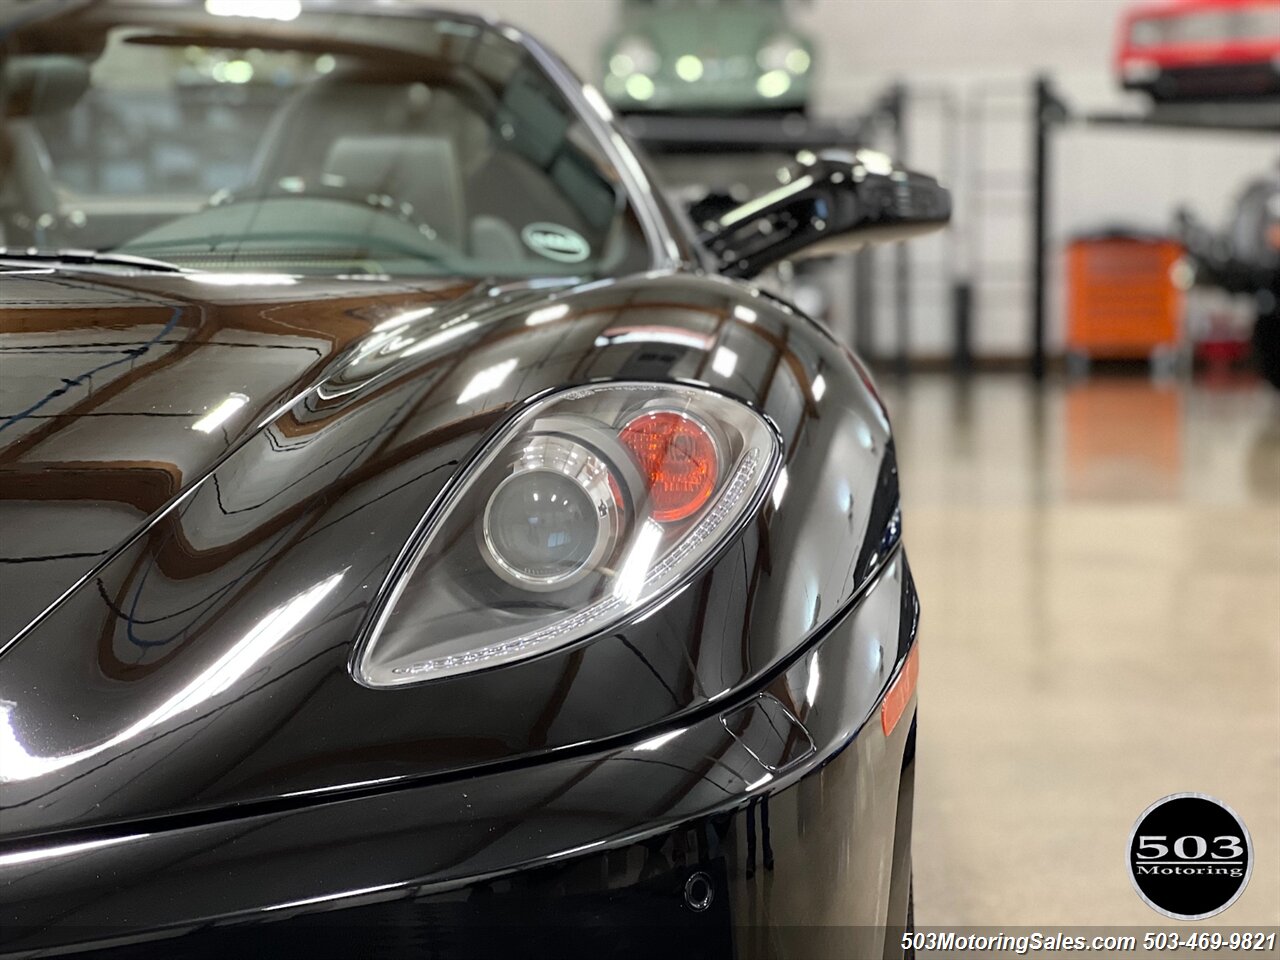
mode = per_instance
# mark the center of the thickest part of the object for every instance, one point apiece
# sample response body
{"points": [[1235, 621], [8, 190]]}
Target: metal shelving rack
{"points": [[1051, 112], [883, 123]]}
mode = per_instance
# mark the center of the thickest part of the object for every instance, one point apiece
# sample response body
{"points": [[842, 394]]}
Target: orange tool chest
{"points": [[1122, 300]]}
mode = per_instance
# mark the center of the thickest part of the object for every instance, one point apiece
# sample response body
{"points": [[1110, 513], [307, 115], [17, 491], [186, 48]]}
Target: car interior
{"points": [[379, 164]]}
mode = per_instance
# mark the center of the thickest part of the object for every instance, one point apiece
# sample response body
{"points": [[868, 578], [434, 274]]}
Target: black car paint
{"points": [[596, 781], [589, 854], [311, 487], [333, 483]]}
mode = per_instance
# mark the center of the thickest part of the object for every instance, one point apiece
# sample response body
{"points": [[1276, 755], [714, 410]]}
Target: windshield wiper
{"points": [[85, 258]]}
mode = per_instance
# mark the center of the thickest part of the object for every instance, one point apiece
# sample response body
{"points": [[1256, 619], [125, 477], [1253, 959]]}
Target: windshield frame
{"points": [[666, 252], [644, 196]]}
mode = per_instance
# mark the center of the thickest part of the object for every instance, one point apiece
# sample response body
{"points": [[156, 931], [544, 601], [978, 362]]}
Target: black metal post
{"points": [[1046, 108], [962, 318], [896, 108], [864, 303]]}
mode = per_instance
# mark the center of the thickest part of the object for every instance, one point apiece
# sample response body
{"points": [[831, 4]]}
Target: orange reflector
{"points": [[678, 459], [899, 695]]}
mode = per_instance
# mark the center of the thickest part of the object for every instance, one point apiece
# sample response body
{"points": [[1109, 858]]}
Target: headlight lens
{"points": [[783, 53], [634, 55], [588, 507], [553, 517]]}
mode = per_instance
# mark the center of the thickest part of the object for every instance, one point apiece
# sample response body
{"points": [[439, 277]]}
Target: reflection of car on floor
{"points": [[1246, 259], [722, 56], [424, 540], [1201, 49]]}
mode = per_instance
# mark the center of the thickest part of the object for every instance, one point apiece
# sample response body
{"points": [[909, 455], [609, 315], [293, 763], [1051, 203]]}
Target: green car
{"points": [[707, 56]]}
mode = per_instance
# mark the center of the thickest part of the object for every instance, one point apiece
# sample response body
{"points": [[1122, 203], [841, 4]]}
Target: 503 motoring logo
{"points": [[1190, 856]]}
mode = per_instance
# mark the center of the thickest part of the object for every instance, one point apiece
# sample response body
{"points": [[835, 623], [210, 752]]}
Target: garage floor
{"points": [[1099, 568]]}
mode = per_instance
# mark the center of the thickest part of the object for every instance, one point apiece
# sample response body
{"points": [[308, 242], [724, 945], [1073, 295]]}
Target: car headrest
{"points": [[31, 85], [420, 171]]}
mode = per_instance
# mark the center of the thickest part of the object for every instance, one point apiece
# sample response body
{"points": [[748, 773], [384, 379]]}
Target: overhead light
{"points": [[547, 315], [663, 738], [636, 565], [257, 9], [819, 387], [780, 488], [689, 68], [243, 279], [724, 362], [675, 336], [487, 380], [220, 414], [440, 337], [773, 84], [234, 71], [640, 87], [400, 319]]}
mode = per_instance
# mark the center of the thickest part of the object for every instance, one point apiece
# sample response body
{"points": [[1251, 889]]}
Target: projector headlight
{"points": [[589, 507]]}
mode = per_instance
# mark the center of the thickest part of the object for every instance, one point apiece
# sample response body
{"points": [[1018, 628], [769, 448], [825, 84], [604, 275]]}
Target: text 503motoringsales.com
{"points": [[1039, 941]]}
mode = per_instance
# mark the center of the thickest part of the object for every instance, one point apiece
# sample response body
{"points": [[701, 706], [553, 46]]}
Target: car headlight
{"points": [[634, 55], [783, 53], [588, 507]]}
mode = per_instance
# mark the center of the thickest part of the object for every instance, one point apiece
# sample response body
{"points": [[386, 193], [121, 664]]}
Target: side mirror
{"points": [[833, 202]]}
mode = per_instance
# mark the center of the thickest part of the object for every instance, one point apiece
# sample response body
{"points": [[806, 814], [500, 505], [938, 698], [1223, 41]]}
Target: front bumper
{"points": [[1208, 82], [778, 825]]}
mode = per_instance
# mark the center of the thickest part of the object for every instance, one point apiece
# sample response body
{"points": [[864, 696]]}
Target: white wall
{"points": [[982, 54]]}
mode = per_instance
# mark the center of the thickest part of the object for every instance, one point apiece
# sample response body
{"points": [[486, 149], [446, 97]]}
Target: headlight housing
{"points": [[587, 508]]}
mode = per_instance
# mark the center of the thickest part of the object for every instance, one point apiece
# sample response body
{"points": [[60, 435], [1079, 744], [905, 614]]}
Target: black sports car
{"points": [[414, 539]]}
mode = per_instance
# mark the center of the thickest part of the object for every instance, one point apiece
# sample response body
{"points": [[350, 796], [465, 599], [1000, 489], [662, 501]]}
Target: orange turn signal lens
{"points": [[678, 459], [899, 695]]}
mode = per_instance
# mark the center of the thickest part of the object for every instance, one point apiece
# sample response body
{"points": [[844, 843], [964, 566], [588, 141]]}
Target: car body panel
{"points": [[1210, 49], [183, 746], [600, 843], [108, 377], [132, 697]]}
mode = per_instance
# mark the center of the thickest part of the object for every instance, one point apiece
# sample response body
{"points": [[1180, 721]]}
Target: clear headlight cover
{"points": [[588, 507]]}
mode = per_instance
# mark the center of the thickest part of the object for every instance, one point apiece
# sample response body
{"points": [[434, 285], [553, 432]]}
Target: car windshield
{"points": [[329, 143]]}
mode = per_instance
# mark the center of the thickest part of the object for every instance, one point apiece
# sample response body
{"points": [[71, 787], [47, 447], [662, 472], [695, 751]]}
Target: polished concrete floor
{"points": [[1099, 569]]}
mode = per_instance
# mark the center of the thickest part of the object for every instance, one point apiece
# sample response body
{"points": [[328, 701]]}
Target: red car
{"points": [[1201, 49]]}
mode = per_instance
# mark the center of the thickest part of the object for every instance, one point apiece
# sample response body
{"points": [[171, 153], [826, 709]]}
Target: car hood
{"points": [[208, 584], [118, 392]]}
